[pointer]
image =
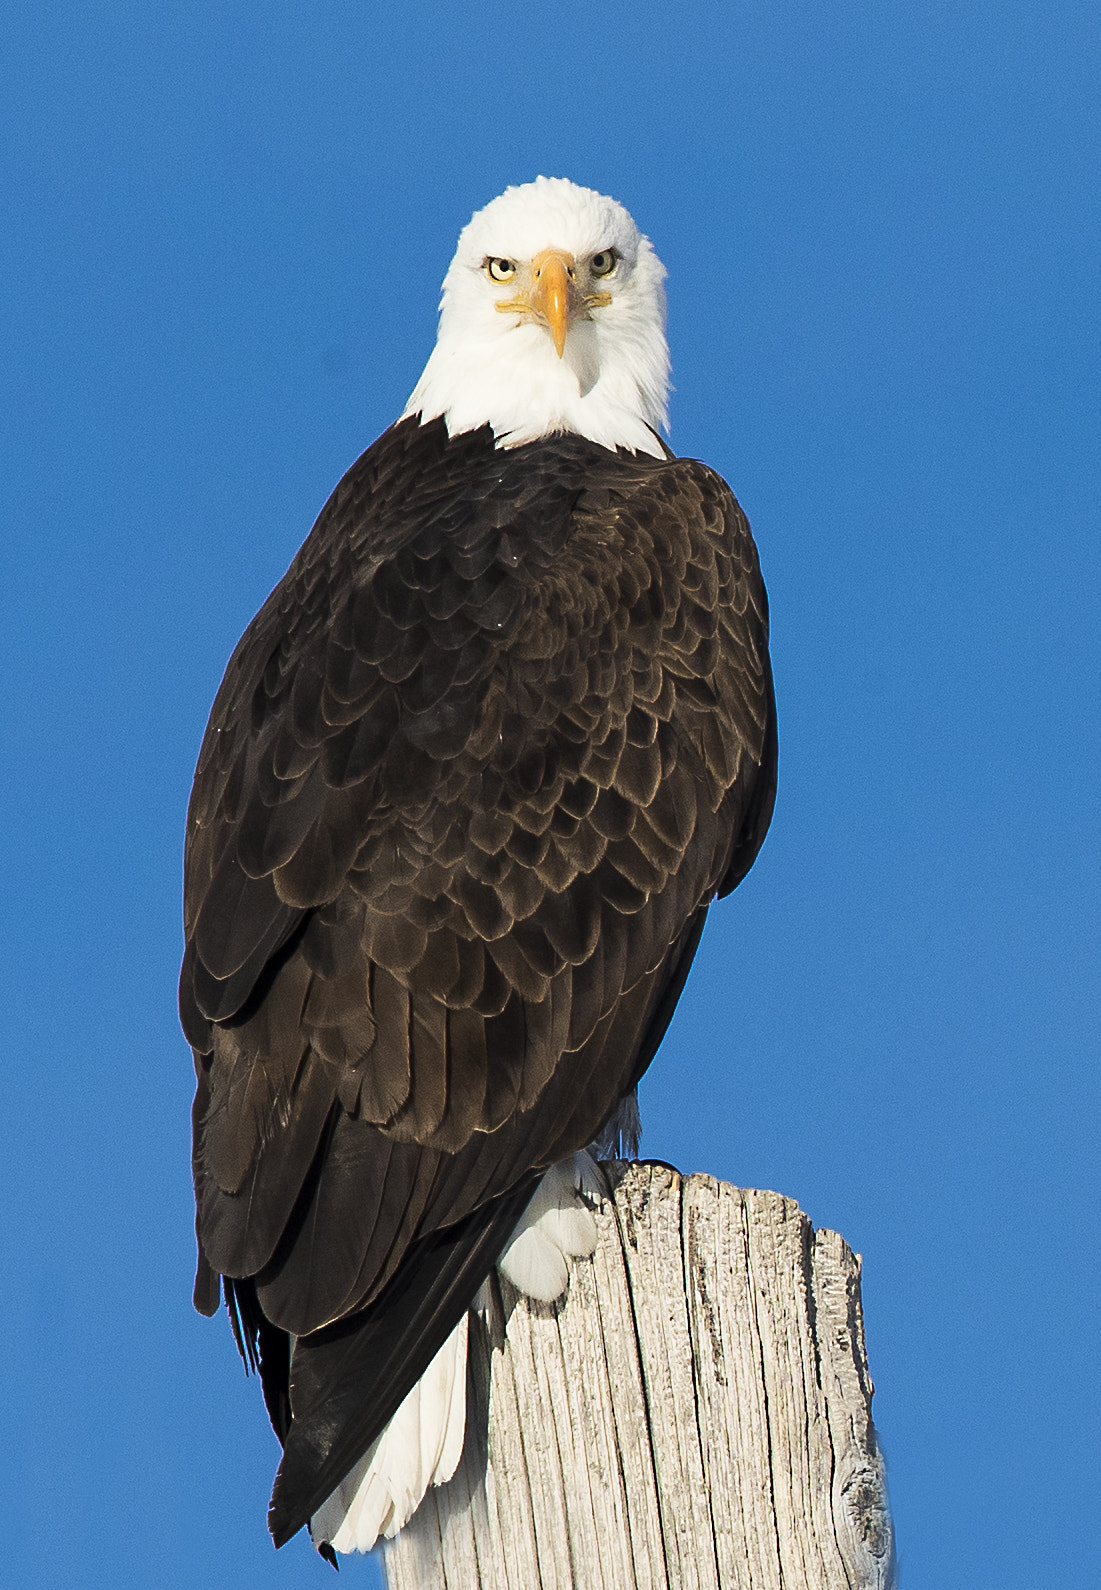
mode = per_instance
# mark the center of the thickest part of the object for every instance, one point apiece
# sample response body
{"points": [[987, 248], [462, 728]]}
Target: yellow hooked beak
{"points": [[555, 298], [554, 294]]}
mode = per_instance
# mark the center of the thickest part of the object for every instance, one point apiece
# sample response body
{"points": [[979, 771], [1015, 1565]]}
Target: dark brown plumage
{"points": [[474, 773]]}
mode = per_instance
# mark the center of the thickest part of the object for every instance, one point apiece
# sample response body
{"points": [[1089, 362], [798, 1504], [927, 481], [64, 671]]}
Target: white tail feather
{"points": [[423, 1442], [421, 1446]]}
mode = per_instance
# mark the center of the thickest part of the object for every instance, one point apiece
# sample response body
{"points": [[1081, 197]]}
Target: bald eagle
{"points": [[473, 777]]}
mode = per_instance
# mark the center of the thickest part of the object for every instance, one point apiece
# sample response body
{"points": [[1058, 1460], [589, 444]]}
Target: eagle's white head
{"points": [[552, 319]]}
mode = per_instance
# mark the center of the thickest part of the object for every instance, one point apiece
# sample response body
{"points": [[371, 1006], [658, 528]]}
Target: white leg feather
{"points": [[423, 1442], [555, 1227]]}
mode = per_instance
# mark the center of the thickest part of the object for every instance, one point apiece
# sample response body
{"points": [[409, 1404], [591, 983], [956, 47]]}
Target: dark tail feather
{"points": [[265, 1348], [349, 1379]]}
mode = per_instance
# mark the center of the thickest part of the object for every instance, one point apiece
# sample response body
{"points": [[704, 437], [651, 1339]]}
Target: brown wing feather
{"points": [[473, 774]]}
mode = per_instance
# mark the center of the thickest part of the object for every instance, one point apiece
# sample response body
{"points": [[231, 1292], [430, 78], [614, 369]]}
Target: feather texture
{"points": [[555, 1227], [473, 775], [423, 1442], [421, 1446]]}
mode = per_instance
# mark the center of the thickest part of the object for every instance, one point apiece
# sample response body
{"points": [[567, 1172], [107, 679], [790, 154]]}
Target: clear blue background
{"points": [[224, 226]]}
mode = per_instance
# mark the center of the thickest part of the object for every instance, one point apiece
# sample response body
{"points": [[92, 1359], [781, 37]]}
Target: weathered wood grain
{"points": [[694, 1415]]}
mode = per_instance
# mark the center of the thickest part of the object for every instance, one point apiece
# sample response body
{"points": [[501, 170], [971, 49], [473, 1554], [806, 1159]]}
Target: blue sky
{"points": [[224, 232]]}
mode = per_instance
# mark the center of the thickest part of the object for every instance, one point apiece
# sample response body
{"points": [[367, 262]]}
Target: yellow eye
{"points": [[604, 263], [500, 270]]}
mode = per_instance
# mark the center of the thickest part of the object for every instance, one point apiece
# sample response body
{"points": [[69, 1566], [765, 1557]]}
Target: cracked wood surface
{"points": [[694, 1415]]}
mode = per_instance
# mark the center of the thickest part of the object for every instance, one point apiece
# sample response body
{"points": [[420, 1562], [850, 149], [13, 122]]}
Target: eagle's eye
{"points": [[604, 263], [500, 270]]}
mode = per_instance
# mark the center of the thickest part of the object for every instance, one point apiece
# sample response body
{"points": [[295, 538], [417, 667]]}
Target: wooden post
{"points": [[695, 1413]]}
